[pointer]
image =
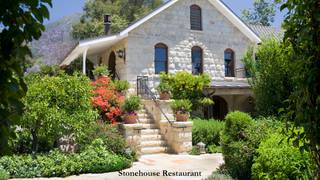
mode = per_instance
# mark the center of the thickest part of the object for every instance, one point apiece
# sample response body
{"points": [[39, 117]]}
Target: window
{"points": [[195, 18], [229, 63], [197, 67], [161, 58]]}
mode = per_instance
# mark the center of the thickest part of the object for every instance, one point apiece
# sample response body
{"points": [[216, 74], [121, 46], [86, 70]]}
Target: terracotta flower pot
{"points": [[165, 96], [181, 116], [130, 118]]}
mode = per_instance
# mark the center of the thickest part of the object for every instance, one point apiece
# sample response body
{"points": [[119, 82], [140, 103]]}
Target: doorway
{"points": [[218, 110], [112, 65]]}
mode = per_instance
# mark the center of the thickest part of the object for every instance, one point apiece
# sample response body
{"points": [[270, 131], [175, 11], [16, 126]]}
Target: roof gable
{"points": [[109, 40]]}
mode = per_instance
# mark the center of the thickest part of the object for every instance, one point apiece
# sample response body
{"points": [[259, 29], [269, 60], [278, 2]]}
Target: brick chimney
{"points": [[107, 23]]}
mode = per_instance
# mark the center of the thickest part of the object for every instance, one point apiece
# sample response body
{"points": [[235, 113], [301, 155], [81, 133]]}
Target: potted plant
{"points": [[182, 109], [121, 86], [130, 106], [100, 70], [164, 90]]}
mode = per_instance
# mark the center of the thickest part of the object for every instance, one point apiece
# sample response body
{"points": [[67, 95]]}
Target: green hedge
{"points": [[94, 159], [207, 131], [277, 159]]}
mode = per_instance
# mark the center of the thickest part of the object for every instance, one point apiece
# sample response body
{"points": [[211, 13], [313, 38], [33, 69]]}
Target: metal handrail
{"points": [[154, 98]]}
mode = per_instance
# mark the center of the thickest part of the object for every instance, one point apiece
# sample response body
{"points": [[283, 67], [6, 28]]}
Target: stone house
{"points": [[197, 36]]}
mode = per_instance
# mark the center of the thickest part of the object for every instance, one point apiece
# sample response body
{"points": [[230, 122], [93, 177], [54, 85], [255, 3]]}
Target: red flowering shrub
{"points": [[107, 100]]}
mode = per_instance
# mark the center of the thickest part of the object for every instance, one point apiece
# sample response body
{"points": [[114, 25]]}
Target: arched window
{"points": [[161, 58], [229, 63], [195, 18], [197, 65]]}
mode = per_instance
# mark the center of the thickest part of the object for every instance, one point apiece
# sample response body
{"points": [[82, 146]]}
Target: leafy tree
{"points": [[271, 83], [123, 12], [302, 32], [20, 23], [263, 13]]}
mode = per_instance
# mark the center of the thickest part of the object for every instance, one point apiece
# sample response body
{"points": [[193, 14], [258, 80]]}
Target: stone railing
{"points": [[178, 135]]}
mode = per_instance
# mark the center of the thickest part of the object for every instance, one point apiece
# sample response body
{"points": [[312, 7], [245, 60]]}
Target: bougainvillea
{"points": [[107, 100]]}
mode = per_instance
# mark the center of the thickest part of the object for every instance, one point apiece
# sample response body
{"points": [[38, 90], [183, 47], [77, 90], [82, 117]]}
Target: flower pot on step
{"points": [[165, 95], [182, 116], [130, 118]]}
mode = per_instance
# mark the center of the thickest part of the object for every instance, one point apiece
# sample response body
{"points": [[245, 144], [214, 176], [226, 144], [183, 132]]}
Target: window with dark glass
{"points": [[195, 18], [161, 58], [197, 66], [229, 63]]}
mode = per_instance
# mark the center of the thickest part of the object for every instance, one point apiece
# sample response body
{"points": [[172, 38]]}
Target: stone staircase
{"points": [[152, 142]]}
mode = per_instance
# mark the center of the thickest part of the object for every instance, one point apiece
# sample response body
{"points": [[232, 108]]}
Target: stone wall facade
{"points": [[172, 27]]}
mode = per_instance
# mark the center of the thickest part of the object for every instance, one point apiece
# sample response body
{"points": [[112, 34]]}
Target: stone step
{"points": [[150, 131], [142, 115], [152, 137], [161, 143], [149, 126], [146, 121], [153, 150]]}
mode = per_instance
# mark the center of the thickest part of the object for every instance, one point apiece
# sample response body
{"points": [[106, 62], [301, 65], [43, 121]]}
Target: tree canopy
{"points": [[263, 13], [20, 23], [302, 32], [123, 12]]}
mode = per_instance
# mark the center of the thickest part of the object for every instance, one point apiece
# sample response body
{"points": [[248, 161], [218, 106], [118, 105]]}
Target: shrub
{"points": [[240, 139], [219, 176], [214, 149], [207, 131], [164, 87], [182, 105], [184, 85], [132, 104], [94, 159], [57, 106], [107, 100], [100, 71], [121, 85], [277, 158], [194, 151]]}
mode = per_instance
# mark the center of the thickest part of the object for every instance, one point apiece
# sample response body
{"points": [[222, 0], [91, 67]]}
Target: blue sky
{"points": [[63, 8]]}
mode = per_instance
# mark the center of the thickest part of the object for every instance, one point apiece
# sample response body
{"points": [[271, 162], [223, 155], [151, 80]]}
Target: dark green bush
{"points": [[277, 158], [240, 139], [207, 131], [214, 149], [94, 159]]}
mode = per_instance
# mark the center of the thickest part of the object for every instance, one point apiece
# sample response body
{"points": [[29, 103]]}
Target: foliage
{"points": [[194, 151], [218, 176], [94, 159], [4, 175], [132, 104], [263, 13], [57, 106], [186, 86], [16, 32], [240, 139], [164, 87], [214, 149], [206, 101], [181, 105], [107, 100], [49, 70], [207, 131], [109, 134], [101, 71], [121, 85], [302, 26], [123, 13], [271, 72], [277, 158]]}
